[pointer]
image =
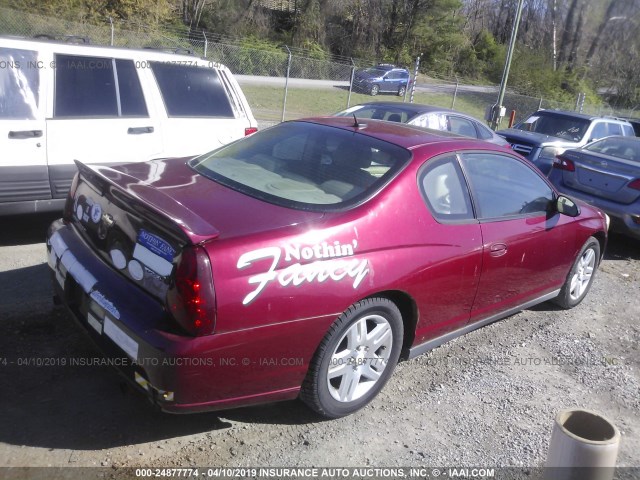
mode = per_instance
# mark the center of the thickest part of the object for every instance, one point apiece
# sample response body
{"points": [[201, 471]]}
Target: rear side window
{"points": [[191, 91], [19, 84], [97, 87], [445, 190], [462, 126]]}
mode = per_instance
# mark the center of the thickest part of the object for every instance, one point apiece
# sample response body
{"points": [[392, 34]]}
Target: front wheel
{"points": [[581, 276], [401, 91], [355, 359], [374, 90]]}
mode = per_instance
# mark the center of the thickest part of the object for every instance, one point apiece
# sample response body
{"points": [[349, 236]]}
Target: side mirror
{"points": [[567, 207]]}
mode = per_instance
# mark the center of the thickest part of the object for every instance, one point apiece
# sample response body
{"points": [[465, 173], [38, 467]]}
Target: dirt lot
{"points": [[487, 399]]}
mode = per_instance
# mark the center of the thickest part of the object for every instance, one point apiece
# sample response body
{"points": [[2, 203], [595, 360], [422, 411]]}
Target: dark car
{"points": [[605, 173], [548, 133], [382, 79], [307, 259], [426, 116]]}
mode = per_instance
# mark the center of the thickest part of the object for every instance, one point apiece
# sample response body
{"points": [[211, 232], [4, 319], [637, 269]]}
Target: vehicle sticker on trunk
{"points": [[154, 252], [329, 261]]}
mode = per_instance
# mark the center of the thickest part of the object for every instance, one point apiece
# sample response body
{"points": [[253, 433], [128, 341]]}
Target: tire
{"points": [[581, 276], [349, 368], [401, 91], [374, 90]]}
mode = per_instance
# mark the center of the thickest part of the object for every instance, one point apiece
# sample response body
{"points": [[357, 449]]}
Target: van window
{"points": [[19, 84], [132, 102], [85, 87], [191, 91]]}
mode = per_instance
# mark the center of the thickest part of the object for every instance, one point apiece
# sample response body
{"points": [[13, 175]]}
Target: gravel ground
{"points": [[487, 399]]}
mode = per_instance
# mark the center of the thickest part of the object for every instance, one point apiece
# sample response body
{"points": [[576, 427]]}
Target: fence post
{"points": [[540, 104], [286, 84], [415, 79], [205, 42], [353, 73], [455, 94], [112, 32], [580, 102]]}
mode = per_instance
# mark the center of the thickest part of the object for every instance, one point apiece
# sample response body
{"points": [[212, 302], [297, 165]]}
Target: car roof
{"points": [[401, 134]]}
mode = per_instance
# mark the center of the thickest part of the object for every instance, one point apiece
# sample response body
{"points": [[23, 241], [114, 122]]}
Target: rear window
{"points": [[627, 148], [560, 126], [190, 91], [305, 165], [379, 112]]}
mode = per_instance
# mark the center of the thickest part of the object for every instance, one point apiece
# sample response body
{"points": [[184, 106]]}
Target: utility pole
{"points": [[498, 110]]}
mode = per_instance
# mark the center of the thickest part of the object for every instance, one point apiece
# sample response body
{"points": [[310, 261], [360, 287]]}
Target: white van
{"points": [[61, 102]]}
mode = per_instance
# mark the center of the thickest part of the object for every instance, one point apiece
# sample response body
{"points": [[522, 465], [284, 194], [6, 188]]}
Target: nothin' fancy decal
{"points": [[329, 261]]}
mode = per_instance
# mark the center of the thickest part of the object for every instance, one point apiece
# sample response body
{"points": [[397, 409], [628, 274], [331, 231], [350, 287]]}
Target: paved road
{"points": [[434, 86]]}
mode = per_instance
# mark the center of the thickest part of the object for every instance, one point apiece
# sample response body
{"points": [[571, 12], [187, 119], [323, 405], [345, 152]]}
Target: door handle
{"points": [[497, 249], [25, 134], [139, 130]]}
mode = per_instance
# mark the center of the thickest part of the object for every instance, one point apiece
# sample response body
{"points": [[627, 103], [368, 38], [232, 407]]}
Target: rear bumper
{"points": [[178, 373]]}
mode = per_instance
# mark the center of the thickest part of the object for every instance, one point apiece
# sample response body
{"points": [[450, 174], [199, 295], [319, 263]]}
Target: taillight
{"points": [[67, 212], [191, 299], [563, 163], [635, 184], [250, 130]]}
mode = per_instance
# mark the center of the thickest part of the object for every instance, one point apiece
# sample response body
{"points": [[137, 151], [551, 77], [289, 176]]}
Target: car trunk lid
{"points": [[139, 217], [603, 176]]}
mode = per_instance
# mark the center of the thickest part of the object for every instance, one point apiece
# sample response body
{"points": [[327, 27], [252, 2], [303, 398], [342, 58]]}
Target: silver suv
{"points": [[548, 133]]}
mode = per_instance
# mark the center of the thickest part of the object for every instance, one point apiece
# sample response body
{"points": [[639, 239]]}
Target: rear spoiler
{"points": [[195, 228]]}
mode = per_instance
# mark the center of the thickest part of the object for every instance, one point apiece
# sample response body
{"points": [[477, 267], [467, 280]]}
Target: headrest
{"points": [[351, 155]]}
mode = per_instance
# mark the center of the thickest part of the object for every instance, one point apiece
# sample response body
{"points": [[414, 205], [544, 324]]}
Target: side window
{"points": [[614, 129], [502, 186], [628, 131], [132, 102], [443, 187], [19, 84], [437, 121], [85, 87], [462, 126], [191, 91], [599, 131], [483, 132]]}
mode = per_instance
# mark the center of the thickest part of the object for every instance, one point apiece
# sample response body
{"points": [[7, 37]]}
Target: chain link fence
{"points": [[280, 83]]}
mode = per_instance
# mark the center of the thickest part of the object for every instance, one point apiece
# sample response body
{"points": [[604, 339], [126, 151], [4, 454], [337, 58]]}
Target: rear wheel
{"points": [[581, 276], [374, 90], [401, 91], [355, 359]]}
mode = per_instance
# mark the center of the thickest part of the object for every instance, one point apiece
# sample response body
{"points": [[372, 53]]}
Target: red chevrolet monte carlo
{"points": [[306, 260]]}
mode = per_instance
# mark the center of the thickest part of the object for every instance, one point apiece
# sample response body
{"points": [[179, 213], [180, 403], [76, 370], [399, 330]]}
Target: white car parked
{"points": [[61, 102]]}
